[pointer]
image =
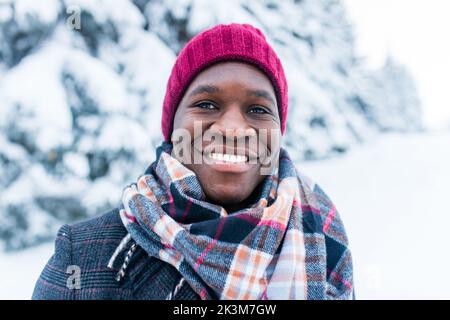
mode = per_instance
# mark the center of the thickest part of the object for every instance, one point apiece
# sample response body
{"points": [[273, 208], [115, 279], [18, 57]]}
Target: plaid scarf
{"points": [[255, 253]]}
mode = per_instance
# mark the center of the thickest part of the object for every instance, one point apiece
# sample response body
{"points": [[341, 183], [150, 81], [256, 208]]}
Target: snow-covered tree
{"points": [[389, 98], [80, 108]]}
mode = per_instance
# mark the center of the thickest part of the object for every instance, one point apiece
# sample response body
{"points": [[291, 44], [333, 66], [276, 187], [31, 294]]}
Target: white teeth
{"points": [[228, 157]]}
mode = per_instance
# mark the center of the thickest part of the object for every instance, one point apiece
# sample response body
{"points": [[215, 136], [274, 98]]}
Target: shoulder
{"points": [[107, 228], [78, 270], [95, 238], [111, 218], [82, 250]]}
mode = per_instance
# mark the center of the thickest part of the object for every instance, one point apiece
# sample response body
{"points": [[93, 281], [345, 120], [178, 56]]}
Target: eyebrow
{"points": [[261, 94], [205, 88], [208, 88]]}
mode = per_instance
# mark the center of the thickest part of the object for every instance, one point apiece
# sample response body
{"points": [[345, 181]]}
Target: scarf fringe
{"points": [[119, 249], [177, 288], [121, 273]]}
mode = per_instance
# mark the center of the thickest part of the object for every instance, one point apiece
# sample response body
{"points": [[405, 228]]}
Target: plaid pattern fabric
{"points": [[89, 244], [290, 244]]}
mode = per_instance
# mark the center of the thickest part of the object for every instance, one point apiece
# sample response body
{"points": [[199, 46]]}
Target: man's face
{"points": [[234, 105]]}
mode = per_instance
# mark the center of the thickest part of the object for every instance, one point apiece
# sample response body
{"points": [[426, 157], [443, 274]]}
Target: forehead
{"points": [[233, 73]]}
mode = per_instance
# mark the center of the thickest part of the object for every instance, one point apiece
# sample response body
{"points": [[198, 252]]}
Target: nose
{"points": [[232, 123]]}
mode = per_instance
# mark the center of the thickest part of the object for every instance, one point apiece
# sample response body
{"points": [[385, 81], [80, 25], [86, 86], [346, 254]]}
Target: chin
{"points": [[228, 197]]}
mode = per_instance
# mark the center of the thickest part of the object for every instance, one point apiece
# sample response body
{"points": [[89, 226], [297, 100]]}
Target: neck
{"points": [[250, 200]]}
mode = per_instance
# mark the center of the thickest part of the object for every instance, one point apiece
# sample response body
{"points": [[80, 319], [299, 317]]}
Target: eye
{"points": [[205, 105], [258, 110]]}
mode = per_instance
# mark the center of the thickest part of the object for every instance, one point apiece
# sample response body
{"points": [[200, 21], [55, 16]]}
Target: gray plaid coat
{"points": [[78, 268]]}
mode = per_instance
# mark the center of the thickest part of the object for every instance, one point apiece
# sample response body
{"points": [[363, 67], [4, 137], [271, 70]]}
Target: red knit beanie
{"points": [[237, 42]]}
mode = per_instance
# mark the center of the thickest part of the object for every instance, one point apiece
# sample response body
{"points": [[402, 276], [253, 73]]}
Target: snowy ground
{"points": [[391, 194], [21, 270]]}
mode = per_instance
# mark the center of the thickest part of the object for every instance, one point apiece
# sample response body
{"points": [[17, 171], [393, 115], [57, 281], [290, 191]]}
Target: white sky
{"points": [[417, 34]]}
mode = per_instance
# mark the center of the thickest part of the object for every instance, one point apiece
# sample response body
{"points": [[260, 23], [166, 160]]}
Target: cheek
{"points": [[183, 130], [190, 122], [274, 140], [181, 122]]}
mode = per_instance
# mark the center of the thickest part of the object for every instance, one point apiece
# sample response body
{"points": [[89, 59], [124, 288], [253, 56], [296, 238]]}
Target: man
{"points": [[222, 212]]}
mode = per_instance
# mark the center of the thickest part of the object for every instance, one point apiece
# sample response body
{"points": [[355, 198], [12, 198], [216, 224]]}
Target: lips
{"points": [[228, 157], [230, 154]]}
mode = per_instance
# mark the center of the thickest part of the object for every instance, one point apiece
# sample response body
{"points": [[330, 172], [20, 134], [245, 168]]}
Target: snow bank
{"points": [[392, 198]]}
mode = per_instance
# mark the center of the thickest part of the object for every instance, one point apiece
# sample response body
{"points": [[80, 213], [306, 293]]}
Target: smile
{"points": [[231, 158]]}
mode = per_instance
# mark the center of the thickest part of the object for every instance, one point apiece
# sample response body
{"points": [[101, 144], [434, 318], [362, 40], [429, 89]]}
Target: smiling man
{"points": [[231, 110], [222, 212]]}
